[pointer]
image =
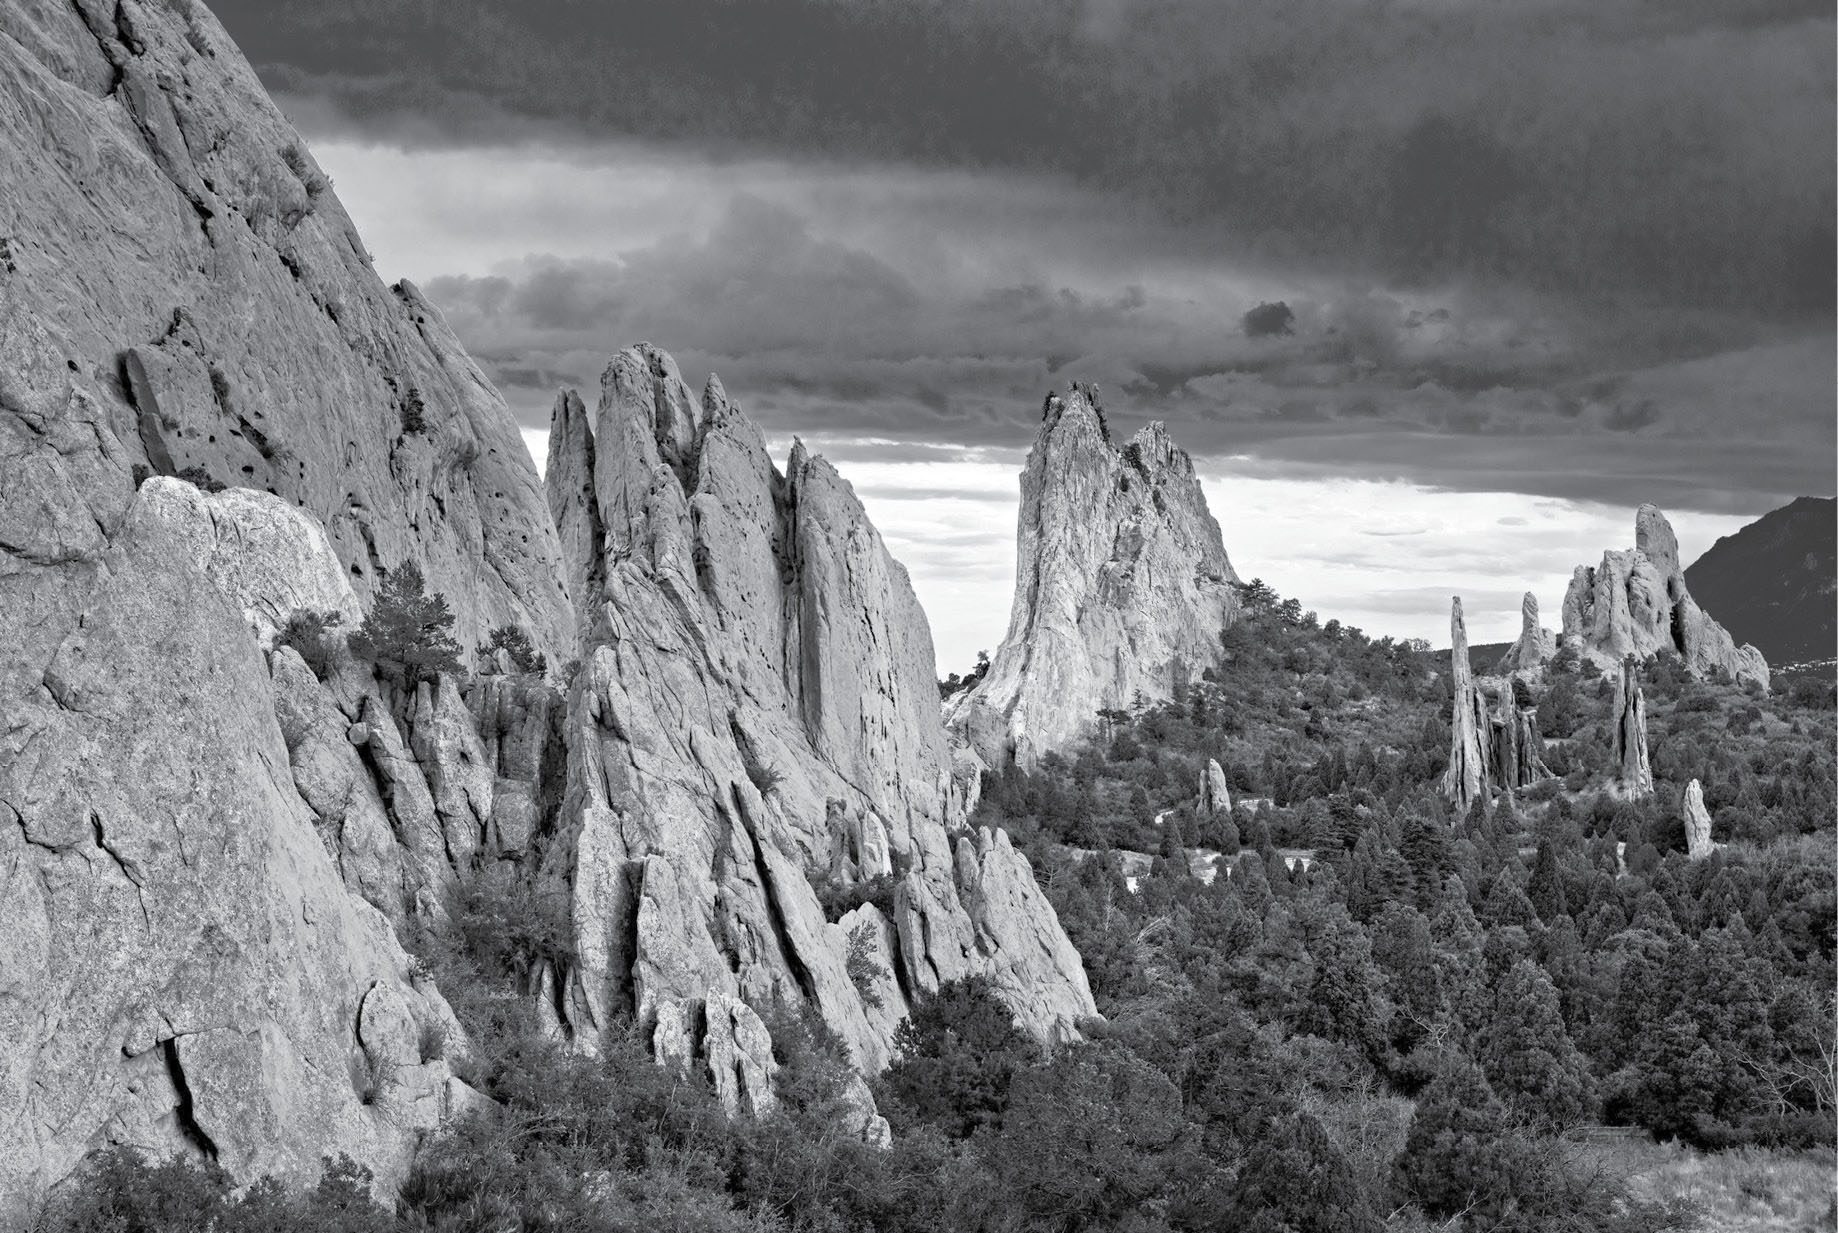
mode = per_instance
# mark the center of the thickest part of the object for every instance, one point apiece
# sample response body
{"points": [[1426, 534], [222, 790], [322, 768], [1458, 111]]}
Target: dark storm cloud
{"points": [[1615, 151]]}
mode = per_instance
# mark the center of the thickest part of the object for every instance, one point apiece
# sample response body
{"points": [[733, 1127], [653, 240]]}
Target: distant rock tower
{"points": [[1122, 585], [1535, 645], [1635, 603], [1634, 774], [1470, 774], [1215, 796]]}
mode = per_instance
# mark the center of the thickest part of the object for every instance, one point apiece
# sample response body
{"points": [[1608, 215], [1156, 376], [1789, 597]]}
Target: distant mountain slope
{"points": [[1773, 582]]}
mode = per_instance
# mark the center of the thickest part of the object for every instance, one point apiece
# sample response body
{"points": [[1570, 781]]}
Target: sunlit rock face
{"points": [[755, 713], [199, 866], [1122, 585], [169, 232], [1636, 603]]}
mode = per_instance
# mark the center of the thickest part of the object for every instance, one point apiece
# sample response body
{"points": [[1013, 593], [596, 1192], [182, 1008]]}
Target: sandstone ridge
{"points": [[1122, 585]]}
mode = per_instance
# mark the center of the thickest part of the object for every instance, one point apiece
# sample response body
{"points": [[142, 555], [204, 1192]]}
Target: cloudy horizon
{"points": [[1541, 263]]}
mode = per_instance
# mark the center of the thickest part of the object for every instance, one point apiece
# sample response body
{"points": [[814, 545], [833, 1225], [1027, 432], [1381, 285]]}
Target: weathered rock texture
{"points": [[1636, 603], [1633, 773], [1470, 774], [1122, 585], [1535, 645], [756, 714], [1698, 844], [1215, 793], [202, 847], [167, 229]]}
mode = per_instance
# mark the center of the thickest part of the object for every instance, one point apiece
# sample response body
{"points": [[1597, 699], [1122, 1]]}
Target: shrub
{"points": [[200, 479], [309, 633], [839, 898], [406, 637], [414, 414], [515, 642]]}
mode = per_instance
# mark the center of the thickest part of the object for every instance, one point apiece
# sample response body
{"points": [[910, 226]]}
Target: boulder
{"points": [[1122, 586]]}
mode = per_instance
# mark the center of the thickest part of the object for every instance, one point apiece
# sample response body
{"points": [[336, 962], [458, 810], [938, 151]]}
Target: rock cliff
{"points": [[203, 845], [1122, 585], [1636, 603], [169, 233], [755, 728]]}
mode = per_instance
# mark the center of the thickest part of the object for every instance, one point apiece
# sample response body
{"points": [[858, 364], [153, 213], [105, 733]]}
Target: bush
{"points": [[839, 898], [414, 414], [309, 633], [864, 971], [406, 638], [200, 479]]}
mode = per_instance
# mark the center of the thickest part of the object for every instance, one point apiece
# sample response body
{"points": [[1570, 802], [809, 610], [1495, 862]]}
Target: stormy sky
{"points": [[1543, 260]]}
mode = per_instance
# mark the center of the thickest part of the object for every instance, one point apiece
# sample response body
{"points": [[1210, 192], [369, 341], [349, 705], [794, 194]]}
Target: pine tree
{"points": [[408, 635]]}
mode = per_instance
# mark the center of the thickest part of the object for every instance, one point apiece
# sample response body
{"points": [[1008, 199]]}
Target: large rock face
{"points": [[1636, 603], [756, 715], [202, 845], [1122, 585], [168, 231]]}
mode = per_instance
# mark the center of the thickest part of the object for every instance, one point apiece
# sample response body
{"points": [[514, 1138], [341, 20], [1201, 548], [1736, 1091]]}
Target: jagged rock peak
{"points": [[757, 715], [1122, 585], [1535, 645], [1636, 603], [1470, 774]]}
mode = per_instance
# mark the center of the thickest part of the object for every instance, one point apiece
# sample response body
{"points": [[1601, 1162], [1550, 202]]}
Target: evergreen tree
{"points": [[408, 636], [1528, 1054]]}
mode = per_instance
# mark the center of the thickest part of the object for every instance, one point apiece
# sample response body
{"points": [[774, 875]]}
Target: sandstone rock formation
{"points": [[756, 716], [1517, 744], [1535, 645], [1215, 793], [1470, 774], [1122, 585], [169, 233], [1636, 603], [1698, 844], [1633, 773]]}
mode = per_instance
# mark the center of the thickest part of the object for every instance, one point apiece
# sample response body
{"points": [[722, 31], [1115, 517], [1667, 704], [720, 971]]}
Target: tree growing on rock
{"points": [[407, 638]]}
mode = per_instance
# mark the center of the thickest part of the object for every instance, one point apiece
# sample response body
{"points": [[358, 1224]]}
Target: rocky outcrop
{"points": [[1633, 773], [1698, 844], [1469, 776], [1636, 603], [181, 966], [172, 237], [1215, 795], [755, 716], [1535, 645], [1122, 585]]}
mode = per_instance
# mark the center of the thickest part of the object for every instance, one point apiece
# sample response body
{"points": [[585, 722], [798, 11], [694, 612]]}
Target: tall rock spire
{"points": [[1470, 774], [1122, 585], [1636, 603], [756, 716], [1535, 645], [1633, 773]]}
